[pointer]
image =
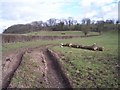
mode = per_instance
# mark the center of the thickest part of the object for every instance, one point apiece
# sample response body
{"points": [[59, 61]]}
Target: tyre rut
{"points": [[49, 68]]}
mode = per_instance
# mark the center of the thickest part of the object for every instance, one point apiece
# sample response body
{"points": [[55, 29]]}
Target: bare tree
{"points": [[51, 22], [70, 21], [37, 25], [86, 25], [100, 26]]}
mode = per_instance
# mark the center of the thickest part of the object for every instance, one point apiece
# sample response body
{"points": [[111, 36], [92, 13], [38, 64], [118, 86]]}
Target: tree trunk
{"points": [[92, 47]]}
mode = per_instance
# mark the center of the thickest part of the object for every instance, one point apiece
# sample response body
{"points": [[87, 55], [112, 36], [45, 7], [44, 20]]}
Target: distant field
{"points": [[60, 33], [85, 68], [17, 45]]}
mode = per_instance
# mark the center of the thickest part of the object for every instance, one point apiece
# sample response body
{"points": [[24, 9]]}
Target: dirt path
{"points": [[55, 75], [38, 69], [10, 64]]}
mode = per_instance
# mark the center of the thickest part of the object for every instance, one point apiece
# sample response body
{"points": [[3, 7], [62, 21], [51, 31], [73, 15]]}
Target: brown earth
{"points": [[42, 70], [9, 66]]}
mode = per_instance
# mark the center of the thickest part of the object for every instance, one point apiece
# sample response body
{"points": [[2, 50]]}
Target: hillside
{"points": [[66, 25]]}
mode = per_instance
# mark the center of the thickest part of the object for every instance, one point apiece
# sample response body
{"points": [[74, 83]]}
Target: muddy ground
{"points": [[33, 68]]}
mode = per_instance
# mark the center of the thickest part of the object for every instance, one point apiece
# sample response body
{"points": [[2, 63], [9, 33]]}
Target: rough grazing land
{"points": [[35, 68], [13, 38], [24, 38], [71, 67]]}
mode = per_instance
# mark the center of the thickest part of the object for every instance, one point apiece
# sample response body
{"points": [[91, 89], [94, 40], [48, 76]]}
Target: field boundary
{"points": [[9, 38], [23, 38]]}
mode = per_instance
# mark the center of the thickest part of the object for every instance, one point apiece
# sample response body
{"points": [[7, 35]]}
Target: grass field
{"points": [[12, 46], [60, 33], [92, 68], [85, 68]]}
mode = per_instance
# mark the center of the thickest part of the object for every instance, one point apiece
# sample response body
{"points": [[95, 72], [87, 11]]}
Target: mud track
{"points": [[9, 66], [48, 70]]}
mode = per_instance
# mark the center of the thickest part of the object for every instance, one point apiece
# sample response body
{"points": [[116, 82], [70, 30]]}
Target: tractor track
{"points": [[48, 64]]}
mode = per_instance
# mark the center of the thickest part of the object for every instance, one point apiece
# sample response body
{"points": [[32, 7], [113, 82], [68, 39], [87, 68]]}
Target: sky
{"points": [[25, 11]]}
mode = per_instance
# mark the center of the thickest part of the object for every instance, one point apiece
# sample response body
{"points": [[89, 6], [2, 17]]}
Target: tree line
{"points": [[70, 24]]}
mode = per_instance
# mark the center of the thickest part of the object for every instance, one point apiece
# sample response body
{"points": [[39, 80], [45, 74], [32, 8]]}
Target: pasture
{"points": [[85, 68]]}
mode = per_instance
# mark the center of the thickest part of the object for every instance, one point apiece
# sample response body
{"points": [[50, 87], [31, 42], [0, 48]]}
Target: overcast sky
{"points": [[26, 11]]}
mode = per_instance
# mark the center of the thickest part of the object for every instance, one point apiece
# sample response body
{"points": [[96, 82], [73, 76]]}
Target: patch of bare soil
{"points": [[55, 74], [9, 66], [38, 69], [32, 71]]}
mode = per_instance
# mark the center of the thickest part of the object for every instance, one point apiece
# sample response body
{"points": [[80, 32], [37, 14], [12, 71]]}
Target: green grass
{"points": [[59, 33], [27, 75], [92, 68], [12, 46], [85, 68]]}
